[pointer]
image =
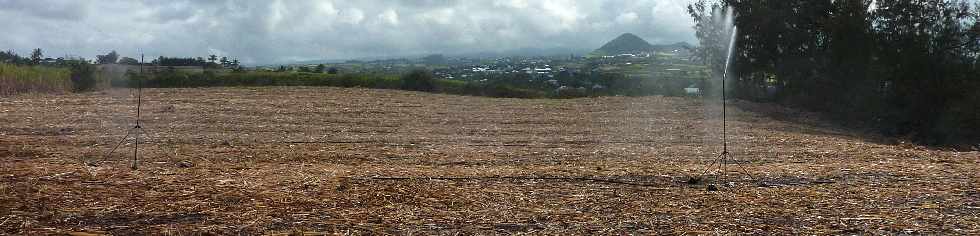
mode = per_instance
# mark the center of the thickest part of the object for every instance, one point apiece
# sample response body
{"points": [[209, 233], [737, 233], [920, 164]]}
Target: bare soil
{"points": [[361, 161]]}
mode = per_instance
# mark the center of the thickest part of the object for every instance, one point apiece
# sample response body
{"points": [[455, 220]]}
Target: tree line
{"points": [[24, 74], [37, 58], [908, 68], [212, 61], [83, 75]]}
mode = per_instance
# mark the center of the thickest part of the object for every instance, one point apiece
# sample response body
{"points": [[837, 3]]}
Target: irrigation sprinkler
{"points": [[138, 129], [725, 157]]}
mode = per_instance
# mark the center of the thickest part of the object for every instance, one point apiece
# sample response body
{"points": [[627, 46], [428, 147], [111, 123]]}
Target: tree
{"points": [[320, 68], [128, 61], [83, 76], [109, 58], [332, 71], [418, 80], [905, 67], [179, 61], [199, 61], [224, 61], [212, 58], [12, 58], [928, 52], [36, 56]]}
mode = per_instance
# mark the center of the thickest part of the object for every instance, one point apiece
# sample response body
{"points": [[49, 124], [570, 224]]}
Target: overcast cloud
{"points": [[268, 31]]}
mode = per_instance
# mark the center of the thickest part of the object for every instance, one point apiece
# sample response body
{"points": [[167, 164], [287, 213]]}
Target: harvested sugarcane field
{"points": [[319, 160]]}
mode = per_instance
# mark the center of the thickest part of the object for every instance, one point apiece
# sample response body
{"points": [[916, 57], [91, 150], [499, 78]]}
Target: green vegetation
{"points": [[630, 80], [16, 79], [418, 80], [180, 79], [46, 75], [109, 58], [83, 77], [908, 68]]}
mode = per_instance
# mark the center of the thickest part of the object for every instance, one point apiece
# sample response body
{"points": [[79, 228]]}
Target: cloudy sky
{"points": [[271, 31]]}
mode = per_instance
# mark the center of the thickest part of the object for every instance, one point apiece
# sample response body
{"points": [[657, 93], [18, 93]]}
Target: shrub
{"points": [[83, 77], [418, 80], [451, 86], [569, 92]]}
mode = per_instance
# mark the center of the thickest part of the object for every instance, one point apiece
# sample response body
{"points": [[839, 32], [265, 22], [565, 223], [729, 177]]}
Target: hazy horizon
{"points": [[258, 32]]}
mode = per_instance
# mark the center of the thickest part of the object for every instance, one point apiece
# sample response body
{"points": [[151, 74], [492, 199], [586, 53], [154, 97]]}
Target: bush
{"points": [[83, 77], [418, 80], [569, 92], [451, 86], [508, 91]]}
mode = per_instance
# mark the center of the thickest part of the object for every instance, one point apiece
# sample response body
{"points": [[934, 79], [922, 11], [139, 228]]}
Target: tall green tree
{"points": [[12, 58], [927, 51], [907, 67], [109, 58], [36, 56]]}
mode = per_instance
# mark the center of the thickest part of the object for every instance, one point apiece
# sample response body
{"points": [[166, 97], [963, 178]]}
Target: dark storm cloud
{"points": [[286, 30]]}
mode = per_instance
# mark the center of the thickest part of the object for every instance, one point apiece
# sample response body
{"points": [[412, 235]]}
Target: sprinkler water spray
{"points": [[726, 157]]}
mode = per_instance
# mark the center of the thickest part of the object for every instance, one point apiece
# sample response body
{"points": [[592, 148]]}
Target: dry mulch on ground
{"points": [[331, 160]]}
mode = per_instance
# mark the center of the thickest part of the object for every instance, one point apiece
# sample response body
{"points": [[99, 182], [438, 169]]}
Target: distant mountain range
{"points": [[631, 44]]}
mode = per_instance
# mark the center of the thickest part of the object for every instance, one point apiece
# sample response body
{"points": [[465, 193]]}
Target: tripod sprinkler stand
{"points": [[138, 129], [725, 157]]}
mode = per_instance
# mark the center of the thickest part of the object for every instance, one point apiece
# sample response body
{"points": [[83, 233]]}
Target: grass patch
{"points": [[16, 79]]}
